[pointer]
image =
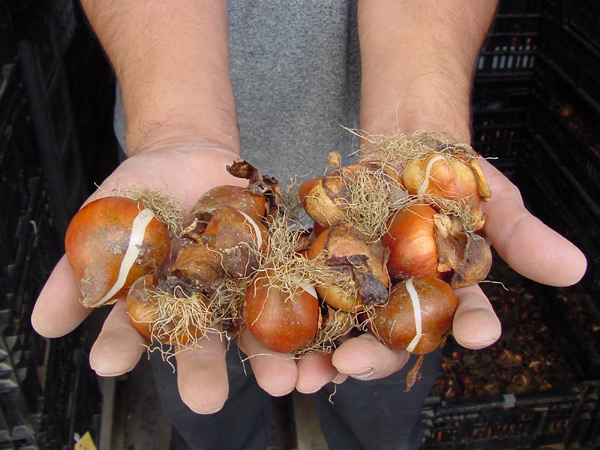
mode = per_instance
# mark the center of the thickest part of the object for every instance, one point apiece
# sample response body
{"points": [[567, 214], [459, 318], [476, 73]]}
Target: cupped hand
{"points": [[186, 173], [523, 241]]}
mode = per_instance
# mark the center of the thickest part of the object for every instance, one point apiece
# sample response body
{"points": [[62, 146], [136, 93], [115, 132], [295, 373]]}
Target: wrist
{"points": [[180, 135], [425, 109], [429, 105], [171, 61], [418, 58]]}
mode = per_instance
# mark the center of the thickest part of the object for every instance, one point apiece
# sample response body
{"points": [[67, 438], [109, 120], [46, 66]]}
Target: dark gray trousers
{"points": [[376, 414]]}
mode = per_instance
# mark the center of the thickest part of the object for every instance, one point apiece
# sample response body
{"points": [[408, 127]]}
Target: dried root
{"points": [[168, 209], [170, 315], [336, 325], [401, 148]]}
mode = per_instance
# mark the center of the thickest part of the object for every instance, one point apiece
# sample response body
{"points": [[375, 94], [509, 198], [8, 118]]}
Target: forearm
{"points": [[171, 61], [418, 60]]}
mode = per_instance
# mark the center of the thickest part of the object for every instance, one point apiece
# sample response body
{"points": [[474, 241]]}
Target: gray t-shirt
{"points": [[295, 69]]}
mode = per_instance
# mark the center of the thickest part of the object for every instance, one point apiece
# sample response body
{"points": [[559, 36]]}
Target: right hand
{"points": [[186, 172]]}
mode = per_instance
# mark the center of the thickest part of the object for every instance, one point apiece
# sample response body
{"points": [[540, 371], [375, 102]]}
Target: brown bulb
{"points": [[283, 321], [110, 243], [417, 316]]}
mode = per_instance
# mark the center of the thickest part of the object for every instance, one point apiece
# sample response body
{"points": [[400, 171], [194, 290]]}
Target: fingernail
{"points": [[364, 374], [340, 378]]}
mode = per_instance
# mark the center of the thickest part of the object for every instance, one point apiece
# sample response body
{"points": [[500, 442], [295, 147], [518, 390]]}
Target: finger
{"points": [[315, 370], [119, 346], [57, 310], [202, 375], [365, 358], [475, 324], [275, 372], [523, 241]]}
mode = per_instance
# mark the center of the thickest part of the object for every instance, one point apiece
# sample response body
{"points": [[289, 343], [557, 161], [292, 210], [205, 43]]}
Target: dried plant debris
{"points": [[335, 325], [168, 209], [401, 148]]}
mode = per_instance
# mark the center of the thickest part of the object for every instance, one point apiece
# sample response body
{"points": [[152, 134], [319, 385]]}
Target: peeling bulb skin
{"points": [[449, 177], [327, 199], [323, 200], [237, 238], [110, 243], [140, 307], [198, 265], [363, 263], [476, 265], [236, 197]]}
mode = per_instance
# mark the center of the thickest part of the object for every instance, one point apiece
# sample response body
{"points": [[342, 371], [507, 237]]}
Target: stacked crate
{"points": [[47, 391], [536, 116]]}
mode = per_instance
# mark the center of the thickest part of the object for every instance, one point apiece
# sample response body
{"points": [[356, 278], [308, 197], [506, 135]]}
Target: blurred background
{"points": [[536, 115]]}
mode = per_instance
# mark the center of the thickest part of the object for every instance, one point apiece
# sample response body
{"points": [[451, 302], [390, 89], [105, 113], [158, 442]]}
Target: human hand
{"points": [[187, 172], [522, 240]]}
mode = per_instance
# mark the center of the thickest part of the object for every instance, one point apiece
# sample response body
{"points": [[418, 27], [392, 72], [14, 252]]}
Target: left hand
{"points": [[523, 241]]}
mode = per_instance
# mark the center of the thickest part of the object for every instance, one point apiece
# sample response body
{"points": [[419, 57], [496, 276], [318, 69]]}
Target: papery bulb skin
{"points": [[326, 199], [363, 263], [141, 308], [237, 238], [199, 266], [237, 197], [449, 178]]}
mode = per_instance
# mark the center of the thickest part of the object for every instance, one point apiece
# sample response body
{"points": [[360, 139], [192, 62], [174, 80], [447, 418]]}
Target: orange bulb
{"points": [[282, 321], [110, 243], [417, 316], [412, 243]]}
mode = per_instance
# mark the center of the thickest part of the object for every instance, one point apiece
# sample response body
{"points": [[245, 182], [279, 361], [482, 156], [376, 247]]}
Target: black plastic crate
{"points": [[575, 59], [64, 14], [13, 408], [44, 401], [511, 422], [7, 39], [574, 132], [534, 387], [19, 164], [584, 18], [511, 46], [519, 7], [24, 239], [527, 421], [557, 198], [10, 89], [71, 400], [500, 109]]}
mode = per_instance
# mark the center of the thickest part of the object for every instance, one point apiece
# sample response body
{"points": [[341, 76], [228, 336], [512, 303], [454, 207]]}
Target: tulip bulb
{"points": [[110, 243], [283, 321], [448, 177], [417, 316]]}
